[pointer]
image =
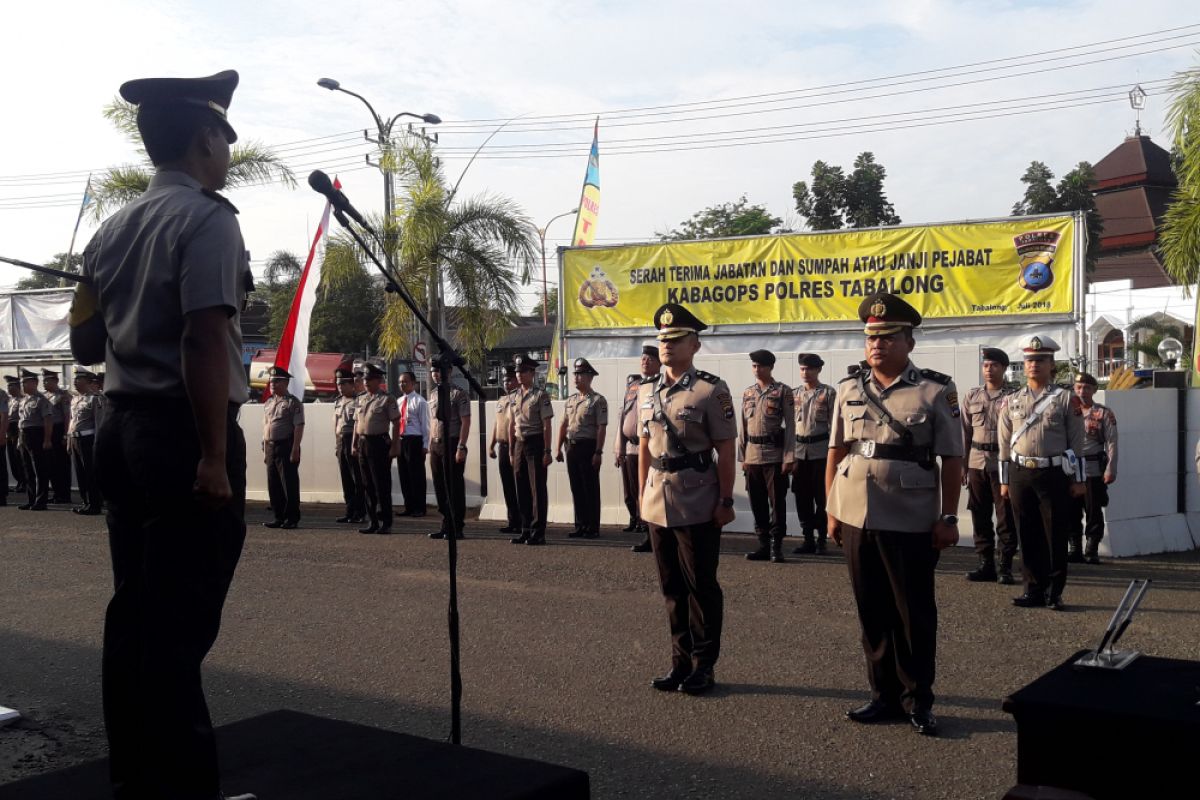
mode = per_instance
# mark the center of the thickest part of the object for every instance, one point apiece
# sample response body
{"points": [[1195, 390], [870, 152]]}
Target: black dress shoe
{"points": [[536, 540], [1075, 557], [809, 546], [700, 681], [672, 680], [290, 525], [273, 524], [576, 534], [344, 520], [591, 534], [91, 512], [777, 556], [642, 547], [1055, 602], [438, 535], [24, 506], [522, 539], [372, 528], [761, 554], [924, 722], [1092, 559], [415, 514], [38, 507], [643, 528], [875, 712], [631, 527], [509, 529], [1030, 600], [385, 529]]}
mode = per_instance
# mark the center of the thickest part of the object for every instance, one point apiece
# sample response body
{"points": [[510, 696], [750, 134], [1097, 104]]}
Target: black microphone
{"points": [[321, 184]]}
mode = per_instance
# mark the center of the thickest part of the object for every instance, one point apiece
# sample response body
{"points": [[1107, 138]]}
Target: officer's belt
{"points": [[80, 434], [1096, 457], [987, 447], [697, 461], [579, 441], [1033, 462], [775, 438], [819, 437], [891, 452]]}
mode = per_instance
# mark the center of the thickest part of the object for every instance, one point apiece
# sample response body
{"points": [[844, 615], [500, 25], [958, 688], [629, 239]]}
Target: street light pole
{"points": [[542, 239]]}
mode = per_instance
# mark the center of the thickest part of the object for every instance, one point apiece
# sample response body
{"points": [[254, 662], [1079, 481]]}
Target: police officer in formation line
{"points": [[766, 449], [687, 495], [1041, 472], [451, 434], [626, 443], [982, 408], [283, 430], [35, 425], [1100, 466], [12, 444], [893, 510], [414, 445], [59, 461], [345, 409], [499, 439], [529, 447], [86, 408], [814, 402], [5, 405], [582, 431], [376, 443]]}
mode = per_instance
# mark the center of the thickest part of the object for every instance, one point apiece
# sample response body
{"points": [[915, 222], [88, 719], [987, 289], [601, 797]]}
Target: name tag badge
{"points": [[856, 402]]}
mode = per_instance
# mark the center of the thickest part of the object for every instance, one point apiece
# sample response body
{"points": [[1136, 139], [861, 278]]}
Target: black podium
{"points": [[296, 756], [1124, 734]]}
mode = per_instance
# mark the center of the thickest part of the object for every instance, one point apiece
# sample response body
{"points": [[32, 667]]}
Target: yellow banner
{"points": [[1018, 266], [589, 198]]}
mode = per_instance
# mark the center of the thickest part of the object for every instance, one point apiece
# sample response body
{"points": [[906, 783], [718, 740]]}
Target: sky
{"points": [[947, 95]]}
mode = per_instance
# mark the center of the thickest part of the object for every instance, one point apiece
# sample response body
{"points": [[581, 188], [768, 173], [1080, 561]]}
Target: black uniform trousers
{"points": [[375, 463], [808, 485], [687, 558], [283, 480], [16, 461], [352, 481], [530, 474], [629, 483], [60, 465], [4, 474], [85, 472], [891, 575], [173, 562], [1042, 506], [767, 487], [37, 465], [1088, 519], [451, 495], [585, 484], [984, 499], [410, 466], [508, 483]]}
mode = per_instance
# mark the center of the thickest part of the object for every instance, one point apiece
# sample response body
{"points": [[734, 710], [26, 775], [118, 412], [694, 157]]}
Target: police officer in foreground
{"points": [[452, 435], [982, 408], [345, 409], [283, 430], [168, 274], [893, 510], [1041, 437], [687, 495], [34, 422], [12, 433], [59, 459], [376, 443], [86, 408], [814, 403], [627, 443], [1100, 466], [585, 421], [766, 450], [499, 439], [529, 448]]}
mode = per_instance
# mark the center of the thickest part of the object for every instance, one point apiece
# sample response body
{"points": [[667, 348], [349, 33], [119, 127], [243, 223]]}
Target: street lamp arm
{"points": [[383, 132], [478, 150], [431, 119]]}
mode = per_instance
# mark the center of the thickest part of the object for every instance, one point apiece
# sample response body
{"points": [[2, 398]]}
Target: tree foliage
{"points": [[40, 280], [1073, 193], [552, 297], [738, 218], [1180, 235], [836, 200], [1157, 329]]}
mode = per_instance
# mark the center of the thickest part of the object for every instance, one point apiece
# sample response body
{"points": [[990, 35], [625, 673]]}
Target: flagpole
{"points": [[561, 323], [87, 199]]}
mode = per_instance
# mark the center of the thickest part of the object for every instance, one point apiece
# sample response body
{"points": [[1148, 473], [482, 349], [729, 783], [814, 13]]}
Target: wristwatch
{"points": [[462, 447], [726, 502], [949, 519]]}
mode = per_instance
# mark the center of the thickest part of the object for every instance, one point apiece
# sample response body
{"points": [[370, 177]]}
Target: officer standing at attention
{"points": [[345, 409], [814, 403], [169, 274], [982, 408], [1100, 466], [1041, 437], [529, 446], [34, 419], [283, 429], [585, 421], [500, 427], [59, 460], [891, 509], [686, 495], [766, 451], [377, 414], [449, 435], [627, 443], [5, 404], [12, 441], [81, 441]]}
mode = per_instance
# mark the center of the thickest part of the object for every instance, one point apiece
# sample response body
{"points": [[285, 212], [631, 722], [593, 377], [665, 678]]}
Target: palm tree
{"points": [[1158, 329], [478, 249], [251, 162], [1181, 226]]}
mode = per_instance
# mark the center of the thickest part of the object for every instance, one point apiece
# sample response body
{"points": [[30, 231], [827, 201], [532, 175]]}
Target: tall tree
{"points": [[738, 218], [40, 280], [552, 296], [867, 205], [251, 162], [836, 200], [1181, 226], [1073, 193]]}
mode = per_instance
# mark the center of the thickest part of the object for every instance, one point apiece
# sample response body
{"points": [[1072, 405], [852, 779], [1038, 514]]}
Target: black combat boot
{"points": [[1006, 576], [763, 553], [777, 553], [986, 572], [1092, 553], [1075, 550], [809, 545]]}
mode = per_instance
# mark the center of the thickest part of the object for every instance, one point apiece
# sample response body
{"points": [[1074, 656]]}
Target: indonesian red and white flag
{"points": [[292, 354]]}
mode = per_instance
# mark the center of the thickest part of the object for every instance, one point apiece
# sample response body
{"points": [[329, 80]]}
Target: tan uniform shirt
{"points": [[34, 411], [700, 407], [768, 413], [503, 419], [814, 417], [585, 414], [375, 414], [85, 414], [627, 440], [1058, 428], [886, 494], [528, 410], [980, 418], [1100, 436], [345, 409], [460, 407], [281, 417], [60, 405]]}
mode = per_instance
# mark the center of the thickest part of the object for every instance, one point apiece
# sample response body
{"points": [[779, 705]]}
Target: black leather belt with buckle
{"points": [[696, 461], [773, 438], [820, 437], [987, 447], [891, 452]]}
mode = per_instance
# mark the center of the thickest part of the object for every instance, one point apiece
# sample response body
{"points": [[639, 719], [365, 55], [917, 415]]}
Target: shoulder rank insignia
{"points": [[220, 199], [936, 377], [706, 376]]}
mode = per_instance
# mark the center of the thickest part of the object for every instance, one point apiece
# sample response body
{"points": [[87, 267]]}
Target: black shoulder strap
{"points": [[661, 417], [884, 414]]}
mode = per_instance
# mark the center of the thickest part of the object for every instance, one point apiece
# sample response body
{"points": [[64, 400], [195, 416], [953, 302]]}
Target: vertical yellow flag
{"points": [[589, 201]]}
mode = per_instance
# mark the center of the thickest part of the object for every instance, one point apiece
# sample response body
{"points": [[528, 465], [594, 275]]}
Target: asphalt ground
{"points": [[559, 643]]}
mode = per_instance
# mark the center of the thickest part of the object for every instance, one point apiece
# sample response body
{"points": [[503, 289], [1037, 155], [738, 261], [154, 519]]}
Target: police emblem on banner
{"points": [[598, 290], [1036, 251]]}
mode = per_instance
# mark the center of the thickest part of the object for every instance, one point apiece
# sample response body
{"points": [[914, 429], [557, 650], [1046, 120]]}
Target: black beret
{"points": [[582, 367], [763, 358], [810, 360], [1084, 377], [650, 349], [995, 354]]}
